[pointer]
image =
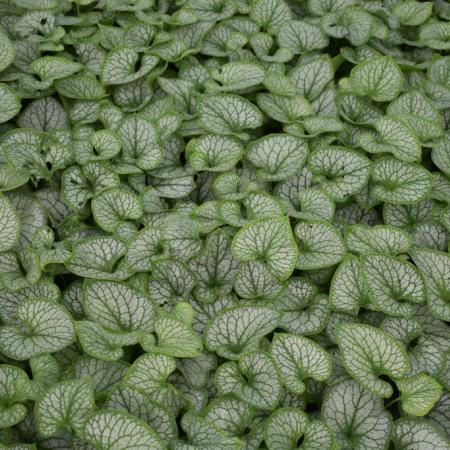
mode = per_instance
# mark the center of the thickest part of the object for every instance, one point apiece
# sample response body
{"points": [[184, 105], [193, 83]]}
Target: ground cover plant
{"points": [[224, 224]]}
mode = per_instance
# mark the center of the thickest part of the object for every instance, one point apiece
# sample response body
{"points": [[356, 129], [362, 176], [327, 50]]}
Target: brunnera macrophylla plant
{"points": [[224, 224]]}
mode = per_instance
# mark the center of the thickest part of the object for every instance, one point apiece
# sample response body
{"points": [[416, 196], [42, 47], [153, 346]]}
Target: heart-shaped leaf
{"points": [[418, 112], [299, 358], [348, 291], [101, 343], [239, 75], [254, 378], [284, 109], [10, 103], [119, 65], [320, 245], [118, 306], [228, 114], [301, 37], [213, 153], [311, 76], [392, 281], [304, 312], [418, 394], [140, 143], [379, 78], [253, 280], [203, 433], [270, 14], [236, 330], [269, 240], [144, 248], [215, 268], [385, 239], [9, 224], [171, 281], [64, 406], [392, 137], [412, 432], [114, 206], [341, 172], [45, 327], [15, 389], [368, 352], [137, 403], [287, 426], [109, 429], [348, 408], [99, 257], [435, 267], [150, 372], [176, 338], [277, 156], [81, 184], [400, 182]]}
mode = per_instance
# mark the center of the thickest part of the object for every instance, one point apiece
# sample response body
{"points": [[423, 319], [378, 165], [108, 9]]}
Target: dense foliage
{"points": [[224, 224]]}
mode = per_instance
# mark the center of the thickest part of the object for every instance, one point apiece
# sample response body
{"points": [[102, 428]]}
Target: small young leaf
{"points": [[176, 338], [418, 394]]}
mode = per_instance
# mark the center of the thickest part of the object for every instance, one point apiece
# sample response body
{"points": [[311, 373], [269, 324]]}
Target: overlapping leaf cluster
{"points": [[224, 224]]}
